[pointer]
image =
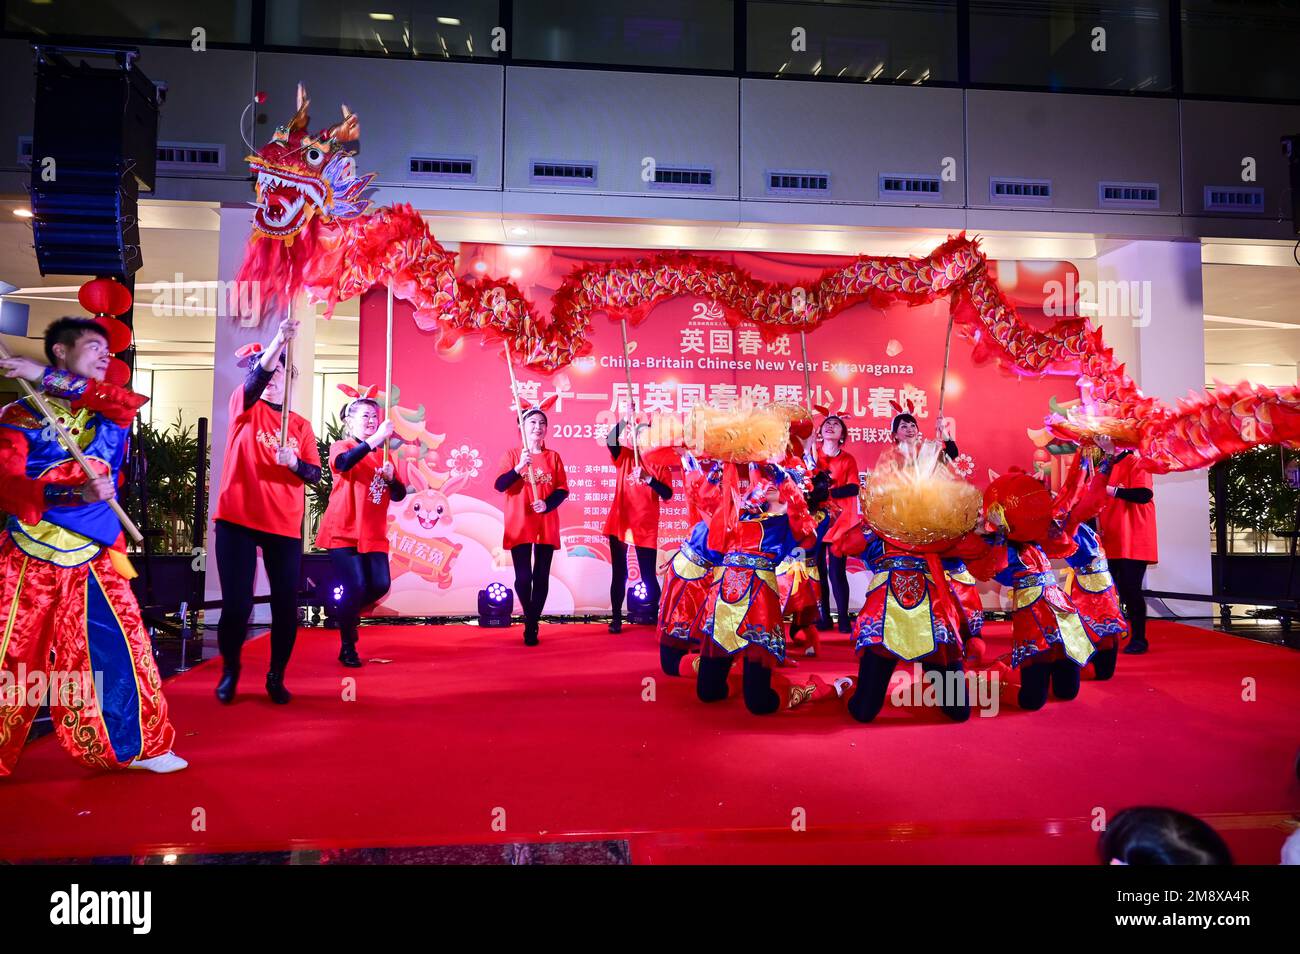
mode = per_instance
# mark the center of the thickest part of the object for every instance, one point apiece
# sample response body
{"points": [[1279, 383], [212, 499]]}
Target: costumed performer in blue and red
{"points": [[741, 615], [354, 529], [64, 576], [690, 571], [918, 512], [1050, 644]]}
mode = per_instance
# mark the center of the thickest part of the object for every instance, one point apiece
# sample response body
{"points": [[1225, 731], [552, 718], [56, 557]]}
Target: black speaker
{"points": [[1291, 146], [94, 147]]}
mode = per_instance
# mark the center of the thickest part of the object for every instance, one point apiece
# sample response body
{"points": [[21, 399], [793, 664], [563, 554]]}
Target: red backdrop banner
{"points": [[454, 409]]}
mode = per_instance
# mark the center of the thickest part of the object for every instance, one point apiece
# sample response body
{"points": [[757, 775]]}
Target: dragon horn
{"points": [[347, 131], [299, 120]]}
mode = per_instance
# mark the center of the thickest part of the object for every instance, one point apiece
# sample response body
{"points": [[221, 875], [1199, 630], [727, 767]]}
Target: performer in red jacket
{"points": [[260, 506], [1128, 533], [832, 564], [354, 529], [633, 519], [71, 619], [535, 484]]}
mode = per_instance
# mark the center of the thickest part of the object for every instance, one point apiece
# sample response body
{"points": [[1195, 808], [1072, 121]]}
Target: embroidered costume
{"points": [[66, 604]]}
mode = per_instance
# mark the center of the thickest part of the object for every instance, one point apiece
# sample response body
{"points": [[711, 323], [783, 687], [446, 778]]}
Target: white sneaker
{"points": [[162, 764], [842, 685]]}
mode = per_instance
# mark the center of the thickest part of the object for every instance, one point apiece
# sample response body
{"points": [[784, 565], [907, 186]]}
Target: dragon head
{"points": [[300, 175]]}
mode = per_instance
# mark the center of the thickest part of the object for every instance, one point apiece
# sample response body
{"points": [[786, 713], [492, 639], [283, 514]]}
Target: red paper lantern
{"points": [[118, 372], [118, 334], [104, 296]]}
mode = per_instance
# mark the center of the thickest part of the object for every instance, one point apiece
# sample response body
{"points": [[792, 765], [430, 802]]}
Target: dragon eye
{"points": [[314, 156]]}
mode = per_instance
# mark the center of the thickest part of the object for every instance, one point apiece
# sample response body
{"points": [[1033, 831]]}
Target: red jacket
{"points": [[634, 511], [522, 525], [1128, 530]]}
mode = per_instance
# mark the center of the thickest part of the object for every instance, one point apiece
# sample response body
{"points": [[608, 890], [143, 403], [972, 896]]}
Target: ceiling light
{"points": [[448, 21], [23, 213], [382, 16], [518, 230]]}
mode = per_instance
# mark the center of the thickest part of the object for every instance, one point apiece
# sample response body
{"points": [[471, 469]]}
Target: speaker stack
{"points": [[94, 149]]}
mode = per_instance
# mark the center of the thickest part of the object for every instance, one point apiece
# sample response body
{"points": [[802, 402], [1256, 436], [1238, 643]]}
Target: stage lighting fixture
{"points": [[639, 608], [494, 605]]}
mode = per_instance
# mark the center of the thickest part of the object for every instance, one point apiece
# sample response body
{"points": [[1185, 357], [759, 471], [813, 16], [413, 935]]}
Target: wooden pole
{"points": [[74, 449], [947, 353], [388, 366], [287, 398], [807, 371], [519, 417], [631, 405]]}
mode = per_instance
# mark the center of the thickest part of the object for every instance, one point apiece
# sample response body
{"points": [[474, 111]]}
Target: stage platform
{"points": [[461, 744]]}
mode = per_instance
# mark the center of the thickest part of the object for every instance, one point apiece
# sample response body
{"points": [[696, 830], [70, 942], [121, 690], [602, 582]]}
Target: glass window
{"points": [[1248, 49], [686, 34], [1060, 44], [904, 41], [426, 28], [223, 21]]}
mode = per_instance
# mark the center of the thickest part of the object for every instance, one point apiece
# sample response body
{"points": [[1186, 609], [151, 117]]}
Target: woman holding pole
{"points": [[534, 482], [270, 455]]}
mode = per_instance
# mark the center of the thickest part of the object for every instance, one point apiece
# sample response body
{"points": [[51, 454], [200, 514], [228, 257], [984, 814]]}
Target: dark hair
{"points": [[1161, 836], [531, 411], [844, 430], [352, 406], [66, 331], [899, 419]]}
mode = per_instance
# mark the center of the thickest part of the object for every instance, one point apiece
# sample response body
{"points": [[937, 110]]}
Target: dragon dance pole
{"points": [[807, 372], [947, 352], [288, 382], [514, 389], [74, 449], [631, 406], [388, 367]]}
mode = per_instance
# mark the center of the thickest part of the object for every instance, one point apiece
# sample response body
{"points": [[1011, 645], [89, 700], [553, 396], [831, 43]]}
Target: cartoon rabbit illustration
{"points": [[428, 508]]}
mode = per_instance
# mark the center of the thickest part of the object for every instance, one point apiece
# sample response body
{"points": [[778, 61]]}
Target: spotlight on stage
{"points": [[639, 608], [494, 605]]}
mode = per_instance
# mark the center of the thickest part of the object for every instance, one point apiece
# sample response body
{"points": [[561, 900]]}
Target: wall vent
{"points": [[1128, 195], [1234, 199], [441, 168], [566, 173], [191, 157], [689, 178], [916, 188], [1020, 190], [797, 182]]}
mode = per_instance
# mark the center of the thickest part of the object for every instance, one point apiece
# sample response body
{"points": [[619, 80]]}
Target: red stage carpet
{"points": [[464, 725]]}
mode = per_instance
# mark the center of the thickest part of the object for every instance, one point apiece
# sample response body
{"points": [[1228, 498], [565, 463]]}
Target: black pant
{"points": [[236, 567], [834, 572], [532, 577], [1128, 575], [365, 579], [874, 672], [645, 561]]}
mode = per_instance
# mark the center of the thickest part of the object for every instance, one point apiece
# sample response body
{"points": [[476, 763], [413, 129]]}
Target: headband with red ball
{"points": [[105, 298]]}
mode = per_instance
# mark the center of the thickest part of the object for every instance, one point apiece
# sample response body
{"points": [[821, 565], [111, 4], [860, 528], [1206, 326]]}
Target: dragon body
{"points": [[314, 234]]}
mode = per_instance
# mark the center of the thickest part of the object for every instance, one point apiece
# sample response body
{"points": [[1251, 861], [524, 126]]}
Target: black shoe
{"points": [[616, 624], [348, 656], [530, 634], [824, 625], [226, 687], [275, 689], [1136, 648], [846, 624]]}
